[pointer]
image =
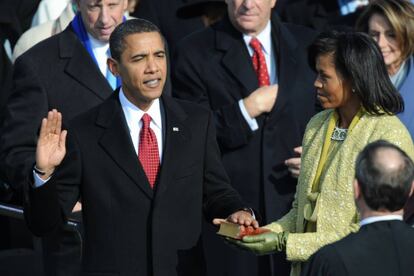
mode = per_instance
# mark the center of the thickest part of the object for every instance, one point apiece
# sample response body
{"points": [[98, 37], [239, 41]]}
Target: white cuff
{"points": [[38, 182], [250, 210], [249, 120]]}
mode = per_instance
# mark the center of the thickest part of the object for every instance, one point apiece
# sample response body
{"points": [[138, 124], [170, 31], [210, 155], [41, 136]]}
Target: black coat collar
{"points": [[80, 65]]}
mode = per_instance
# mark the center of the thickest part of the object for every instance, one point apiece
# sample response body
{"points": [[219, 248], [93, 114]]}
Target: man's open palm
{"points": [[51, 147]]}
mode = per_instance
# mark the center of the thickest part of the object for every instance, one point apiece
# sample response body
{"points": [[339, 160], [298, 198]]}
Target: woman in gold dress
{"points": [[360, 105]]}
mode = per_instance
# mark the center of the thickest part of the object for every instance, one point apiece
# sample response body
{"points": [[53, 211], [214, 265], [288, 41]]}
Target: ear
{"points": [[125, 5], [357, 189], [113, 66], [273, 3], [412, 189]]}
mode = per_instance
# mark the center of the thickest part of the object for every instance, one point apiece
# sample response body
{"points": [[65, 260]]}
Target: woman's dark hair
{"points": [[358, 59]]}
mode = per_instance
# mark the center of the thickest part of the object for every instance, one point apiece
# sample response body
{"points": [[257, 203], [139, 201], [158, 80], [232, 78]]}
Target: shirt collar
{"points": [[373, 219], [265, 38], [97, 44], [133, 113]]}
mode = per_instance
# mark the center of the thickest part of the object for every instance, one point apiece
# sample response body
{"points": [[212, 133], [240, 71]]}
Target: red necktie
{"points": [[148, 150], [259, 62]]}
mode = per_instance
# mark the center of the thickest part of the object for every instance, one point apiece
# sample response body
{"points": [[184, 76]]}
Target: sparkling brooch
{"points": [[339, 134]]}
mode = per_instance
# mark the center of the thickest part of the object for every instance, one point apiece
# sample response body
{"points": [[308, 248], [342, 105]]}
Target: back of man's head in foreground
{"points": [[385, 175]]}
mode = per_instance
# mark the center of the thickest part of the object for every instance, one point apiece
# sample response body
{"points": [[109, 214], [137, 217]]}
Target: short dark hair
{"points": [[358, 59], [129, 27], [400, 16], [382, 187]]}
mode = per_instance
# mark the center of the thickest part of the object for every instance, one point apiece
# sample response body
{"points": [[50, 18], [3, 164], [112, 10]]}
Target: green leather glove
{"points": [[265, 243]]}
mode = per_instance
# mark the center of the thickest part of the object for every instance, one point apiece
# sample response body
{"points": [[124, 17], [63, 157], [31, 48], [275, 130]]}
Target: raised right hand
{"points": [[261, 100], [51, 148]]}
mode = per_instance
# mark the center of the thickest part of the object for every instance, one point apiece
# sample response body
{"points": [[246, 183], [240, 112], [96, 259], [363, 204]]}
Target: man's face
{"points": [[250, 16], [142, 68], [100, 17]]}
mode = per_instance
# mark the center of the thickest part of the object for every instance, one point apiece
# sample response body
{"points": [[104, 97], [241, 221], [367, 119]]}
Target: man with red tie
{"points": [[145, 166], [251, 70]]}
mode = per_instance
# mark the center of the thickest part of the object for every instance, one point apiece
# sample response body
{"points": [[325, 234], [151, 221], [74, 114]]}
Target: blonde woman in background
{"points": [[391, 24]]}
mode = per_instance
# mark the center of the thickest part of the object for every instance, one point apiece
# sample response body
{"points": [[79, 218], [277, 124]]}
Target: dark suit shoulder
{"points": [[325, 262], [301, 33], [351, 242], [190, 107], [219, 36], [88, 117], [205, 38], [197, 41], [85, 120], [371, 234], [38, 56], [186, 111], [380, 248], [403, 232], [48, 48]]}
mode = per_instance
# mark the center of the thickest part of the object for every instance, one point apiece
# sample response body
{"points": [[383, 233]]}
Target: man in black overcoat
{"points": [[60, 73], [140, 217], [258, 127]]}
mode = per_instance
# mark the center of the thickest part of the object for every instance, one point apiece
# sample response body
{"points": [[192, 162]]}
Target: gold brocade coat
{"points": [[337, 215]]}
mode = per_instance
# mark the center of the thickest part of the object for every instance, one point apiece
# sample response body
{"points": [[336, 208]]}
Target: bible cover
{"points": [[233, 230]]}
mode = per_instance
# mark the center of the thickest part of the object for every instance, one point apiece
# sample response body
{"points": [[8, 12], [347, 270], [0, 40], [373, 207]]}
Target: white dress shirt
{"points": [[133, 117], [265, 38], [369, 220], [101, 51]]}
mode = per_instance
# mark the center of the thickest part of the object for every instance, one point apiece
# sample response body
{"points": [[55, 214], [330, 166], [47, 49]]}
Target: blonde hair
{"points": [[400, 16]]}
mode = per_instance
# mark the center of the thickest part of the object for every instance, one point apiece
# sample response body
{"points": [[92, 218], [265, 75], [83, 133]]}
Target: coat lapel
{"points": [[177, 136], [236, 56], [80, 65], [311, 155], [315, 135], [116, 141], [284, 45]]}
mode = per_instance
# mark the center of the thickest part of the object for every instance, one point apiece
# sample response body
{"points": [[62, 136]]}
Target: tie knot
{"points": [[146, 119], [255, 44]]}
